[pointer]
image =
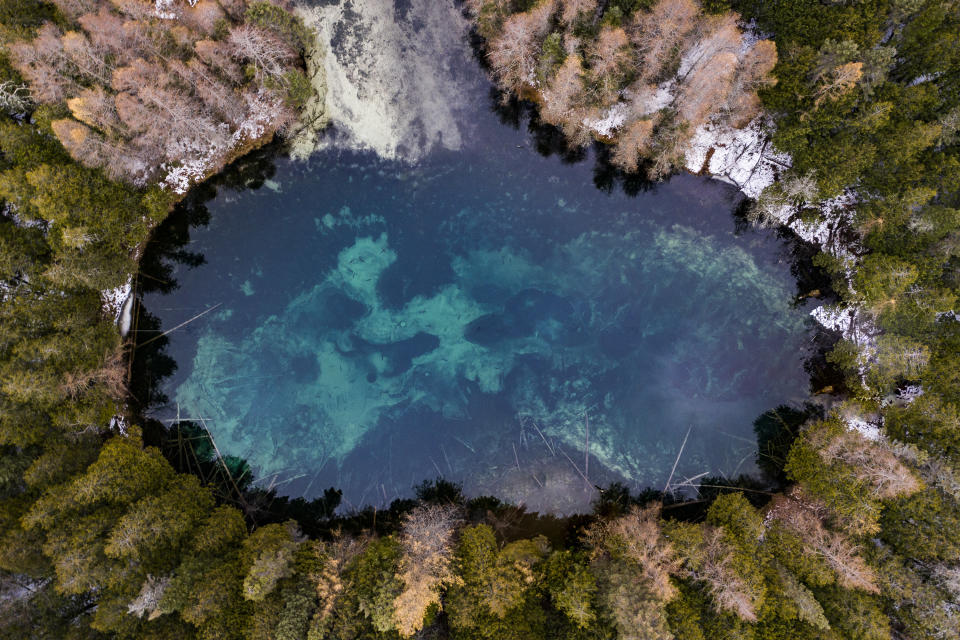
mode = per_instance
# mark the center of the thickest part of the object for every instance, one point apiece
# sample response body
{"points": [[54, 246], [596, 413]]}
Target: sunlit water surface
{"points": [[486, 315]]}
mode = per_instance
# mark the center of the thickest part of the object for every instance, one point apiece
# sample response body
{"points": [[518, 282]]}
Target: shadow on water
{"points": [[548, 140], [169, 246]]}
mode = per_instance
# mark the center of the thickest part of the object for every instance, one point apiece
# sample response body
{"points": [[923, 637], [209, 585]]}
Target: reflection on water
{"points": [[485, 316]]}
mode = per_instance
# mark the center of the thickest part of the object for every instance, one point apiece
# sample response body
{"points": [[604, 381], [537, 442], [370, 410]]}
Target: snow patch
{"points": [[611, 121], [855, 326], [743, 157], [261, 113], [868, 430], [123, 322], [114, 300], [119, 424], [909, 393], [164, 9], [926, 77]]}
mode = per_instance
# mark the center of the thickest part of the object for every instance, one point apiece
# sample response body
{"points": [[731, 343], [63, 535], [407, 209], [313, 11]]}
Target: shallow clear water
{"points": [[474, 317]]}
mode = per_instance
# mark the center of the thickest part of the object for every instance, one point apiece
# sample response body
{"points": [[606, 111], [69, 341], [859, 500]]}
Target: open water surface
{"points": [[487, 315]]}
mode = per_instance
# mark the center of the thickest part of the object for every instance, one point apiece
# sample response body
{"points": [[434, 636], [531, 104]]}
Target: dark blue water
{"points": [[475, 317]]}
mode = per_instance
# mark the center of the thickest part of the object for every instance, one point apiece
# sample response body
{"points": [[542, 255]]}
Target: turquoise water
{"points": [[487, 316]]}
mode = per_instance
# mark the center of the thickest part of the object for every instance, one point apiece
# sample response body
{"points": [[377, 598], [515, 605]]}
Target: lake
{"points": [[518, 321]]}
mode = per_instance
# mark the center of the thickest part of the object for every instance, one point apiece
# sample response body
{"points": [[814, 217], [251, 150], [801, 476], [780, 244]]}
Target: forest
{"points": [[109, 529]]}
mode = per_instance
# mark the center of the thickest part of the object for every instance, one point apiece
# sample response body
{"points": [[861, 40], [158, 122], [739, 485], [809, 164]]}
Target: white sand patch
{"points": [[395, 74]]}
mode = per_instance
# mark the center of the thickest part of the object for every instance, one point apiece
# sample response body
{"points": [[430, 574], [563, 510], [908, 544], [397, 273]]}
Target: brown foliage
{"points": [[427, 541], [708, 86], [610, 58], [218, 57], [754, 72], [147, 91], [687, 68], [657, 34], [80, 141], [111, 374], [871, 462], [43, 64], [74, 8], [805, 517], [203, 16], [632, 144], [713, 36], [636, 537], [571, 9], [334, 557], [513, 55], [563, 100], [668, 149], [105, 30], [95, 107], [610, 52], [729, 590], [839, 81]]}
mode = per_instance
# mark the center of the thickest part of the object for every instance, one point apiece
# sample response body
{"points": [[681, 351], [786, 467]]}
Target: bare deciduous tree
{"points": [[218, 56], [95, 107], [89, 61], [610, 59], [105, 30], [727, 587], [632, 144], [148, 601], [562, 101], [637, 537], [268, 54], [805, 517], [14, 98], [335, 556], [203, 16], [513, 55], [753, 73], [658, 33], [712, 36], [708, 85], [111, 373], [872, 463], [74, 8], [146, 92], [43, 64], [427, 541], [571, 9]]}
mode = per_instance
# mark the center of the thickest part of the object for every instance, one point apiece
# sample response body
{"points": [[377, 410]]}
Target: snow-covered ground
{"points": [[118, 303], [743, 157], [262, 109]]}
